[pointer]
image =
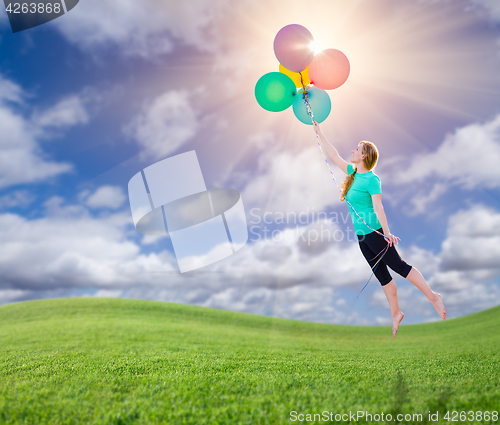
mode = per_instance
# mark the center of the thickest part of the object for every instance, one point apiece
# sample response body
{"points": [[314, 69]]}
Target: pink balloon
{"points": [[329, 69], [292, 47]]}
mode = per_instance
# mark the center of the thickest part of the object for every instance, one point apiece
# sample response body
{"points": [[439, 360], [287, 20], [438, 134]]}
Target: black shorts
{"points": [[370, 245]]}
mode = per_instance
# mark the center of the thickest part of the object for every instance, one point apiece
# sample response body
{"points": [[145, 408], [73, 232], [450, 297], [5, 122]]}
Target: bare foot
{"points": [[438, 305], [395, 323]]}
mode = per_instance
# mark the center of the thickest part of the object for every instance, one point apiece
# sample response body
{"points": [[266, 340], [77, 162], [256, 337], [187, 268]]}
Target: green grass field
{"points": [[119, 361]]}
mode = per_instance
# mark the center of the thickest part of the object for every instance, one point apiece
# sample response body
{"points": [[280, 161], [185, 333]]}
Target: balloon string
{"points": [[305, 96], [303, 86], [376, 255], [309, 112], [375, 267]]}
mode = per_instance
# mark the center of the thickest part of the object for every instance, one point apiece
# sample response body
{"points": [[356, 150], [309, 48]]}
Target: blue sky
{"points": [[93, 97]]}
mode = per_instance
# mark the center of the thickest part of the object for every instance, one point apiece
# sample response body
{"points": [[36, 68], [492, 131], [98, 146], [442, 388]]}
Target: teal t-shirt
{"points": [[360, 196]]}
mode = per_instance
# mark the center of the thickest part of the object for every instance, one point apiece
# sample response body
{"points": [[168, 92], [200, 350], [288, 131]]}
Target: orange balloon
{"points": [[295, 76], [329, 69]]}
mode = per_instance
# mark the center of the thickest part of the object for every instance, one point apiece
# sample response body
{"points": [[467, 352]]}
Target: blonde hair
{"points": [[370, 151]]}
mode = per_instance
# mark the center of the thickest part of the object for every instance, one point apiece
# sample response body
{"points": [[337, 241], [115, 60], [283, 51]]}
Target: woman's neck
{"points": [[361, 169]]}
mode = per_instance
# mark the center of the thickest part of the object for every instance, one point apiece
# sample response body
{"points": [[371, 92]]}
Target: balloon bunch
{"points": [[303, 77]]}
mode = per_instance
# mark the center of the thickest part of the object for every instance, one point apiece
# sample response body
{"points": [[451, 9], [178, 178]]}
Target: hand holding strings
{"points": [[392, 239], [316, 128]]}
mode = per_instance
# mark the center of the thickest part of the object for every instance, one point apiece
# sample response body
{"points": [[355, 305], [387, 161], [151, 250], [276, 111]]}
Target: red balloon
{"points": [[329, 69], [292, 47]]}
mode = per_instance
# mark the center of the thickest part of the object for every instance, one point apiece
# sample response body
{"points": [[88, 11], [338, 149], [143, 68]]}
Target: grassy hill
{"points": [[119, 361]]}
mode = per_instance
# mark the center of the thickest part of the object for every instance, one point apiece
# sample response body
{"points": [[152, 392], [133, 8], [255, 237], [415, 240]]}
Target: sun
{"points": [[314, 47]]}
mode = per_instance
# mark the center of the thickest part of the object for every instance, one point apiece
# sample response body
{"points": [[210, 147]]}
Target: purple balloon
{"points": [[292, 47]]}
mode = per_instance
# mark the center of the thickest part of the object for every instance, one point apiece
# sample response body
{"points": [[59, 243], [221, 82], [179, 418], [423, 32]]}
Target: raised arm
{"points": [[330, 150]]}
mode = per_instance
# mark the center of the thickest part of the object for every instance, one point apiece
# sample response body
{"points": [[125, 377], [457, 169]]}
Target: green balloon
{"points": [[275, 91]]}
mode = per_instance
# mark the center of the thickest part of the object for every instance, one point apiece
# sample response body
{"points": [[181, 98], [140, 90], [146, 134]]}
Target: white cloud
{"points": [[165, 124], [383, 321], [18, 198], [304, 254], [10, 91], [476, 297], [21, 159], [147, 28], [104, 197], [12, 295], [294, 273], [302, 302], [67, 112], [426, 261], [473, 241], [421, 200], [468, 158], [106, 293], [492, 7], [68, 249], [151, 239], [293, 182]]}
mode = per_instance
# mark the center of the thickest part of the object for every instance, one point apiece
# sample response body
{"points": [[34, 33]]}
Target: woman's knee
{"points": [[401, 267], [405, 269]]}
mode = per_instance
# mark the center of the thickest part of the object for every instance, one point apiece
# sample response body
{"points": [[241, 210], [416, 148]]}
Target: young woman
{"points": [[362, 188]]}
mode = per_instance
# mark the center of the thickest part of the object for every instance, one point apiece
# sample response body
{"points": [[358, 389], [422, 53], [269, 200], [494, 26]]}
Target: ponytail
{"points": [[346, 185]]}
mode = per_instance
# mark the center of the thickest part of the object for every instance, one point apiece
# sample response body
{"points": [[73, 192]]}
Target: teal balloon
{"points": [[320, 103], [275, 91]]}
